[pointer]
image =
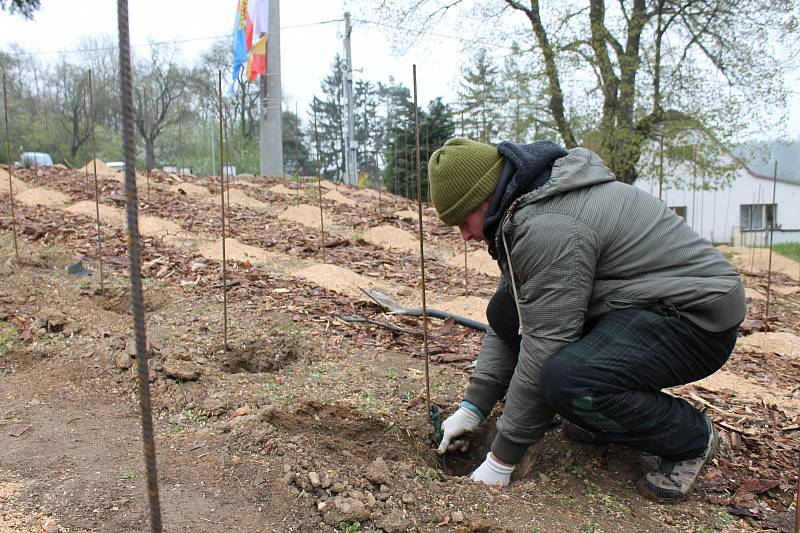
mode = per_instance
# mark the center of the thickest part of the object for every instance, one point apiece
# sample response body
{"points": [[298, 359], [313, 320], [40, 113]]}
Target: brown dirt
{"points": [[338, 197], [746, 389], [307, 215], [281, 189], [342, 280], [237, 251], [467, 306], [392, 238], [42, 196], [783, 343], [192, 190], [17, 185], [102, 169], [477, 261], [302, 395], [758, 258], [148, 226], [240, 199]]}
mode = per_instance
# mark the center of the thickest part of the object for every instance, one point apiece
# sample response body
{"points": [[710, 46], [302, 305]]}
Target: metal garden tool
{"points": [[394, 308]]}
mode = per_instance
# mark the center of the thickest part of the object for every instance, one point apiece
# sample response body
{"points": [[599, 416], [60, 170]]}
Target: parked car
{"points": [[35, 159], [116, 165]]}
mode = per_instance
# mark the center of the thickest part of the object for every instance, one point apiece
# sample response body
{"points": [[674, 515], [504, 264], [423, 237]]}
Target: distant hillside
{"points": [[762, 157]]}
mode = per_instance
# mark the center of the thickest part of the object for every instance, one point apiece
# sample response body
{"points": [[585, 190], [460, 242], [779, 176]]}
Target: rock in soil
{"points": [[378, 472], [342, 509], [181, 370], [394, 522]]}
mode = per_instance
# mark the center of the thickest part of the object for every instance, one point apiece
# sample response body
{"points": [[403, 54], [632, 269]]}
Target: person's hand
{"points": [[462, 421], [492, 472]]}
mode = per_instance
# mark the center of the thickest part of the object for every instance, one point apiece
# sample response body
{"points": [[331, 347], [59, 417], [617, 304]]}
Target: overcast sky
{"points": [[307, 48]]}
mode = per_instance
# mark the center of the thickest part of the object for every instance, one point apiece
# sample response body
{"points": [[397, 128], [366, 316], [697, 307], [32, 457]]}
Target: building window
{"points": [[680, 210], [756, 217]]}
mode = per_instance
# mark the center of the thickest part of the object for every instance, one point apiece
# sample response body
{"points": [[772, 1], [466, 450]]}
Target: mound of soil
{"points": [[339, 198], [392, 238], [191, 190], [304, 214], [42, 196], [477, 261]]}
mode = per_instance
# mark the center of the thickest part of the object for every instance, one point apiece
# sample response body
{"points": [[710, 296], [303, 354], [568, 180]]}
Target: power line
{"points": [[173, 42]]}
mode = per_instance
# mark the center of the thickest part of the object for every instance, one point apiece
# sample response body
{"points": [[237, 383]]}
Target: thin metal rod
{"points": [[771, 229], [10, 166], [466, 271], [405, 160], [660, 165], [228, 180], [319, 183], [96, 186], [131, 209], [222, 217], [422, 256]]}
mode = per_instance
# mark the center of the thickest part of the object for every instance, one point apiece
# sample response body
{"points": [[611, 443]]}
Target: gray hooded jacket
{"points": [[575, 248]]}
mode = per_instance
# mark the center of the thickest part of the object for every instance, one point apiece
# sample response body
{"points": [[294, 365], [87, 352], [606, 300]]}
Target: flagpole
{"points": [[271, 138]]}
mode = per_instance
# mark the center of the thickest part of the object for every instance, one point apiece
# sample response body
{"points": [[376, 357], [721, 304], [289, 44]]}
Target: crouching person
{"points": [[606, 298]]}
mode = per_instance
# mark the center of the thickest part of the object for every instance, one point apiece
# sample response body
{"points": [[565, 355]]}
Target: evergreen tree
{"points": [[480, 96], [295, 150]]}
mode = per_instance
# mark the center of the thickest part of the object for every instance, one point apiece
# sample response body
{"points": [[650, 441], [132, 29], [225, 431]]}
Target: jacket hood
{"points": [[578, 168], [526, 168]]}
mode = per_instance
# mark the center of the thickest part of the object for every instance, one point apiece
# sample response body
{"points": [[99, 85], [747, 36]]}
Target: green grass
{"points": [[7, 339], [788, 249]]}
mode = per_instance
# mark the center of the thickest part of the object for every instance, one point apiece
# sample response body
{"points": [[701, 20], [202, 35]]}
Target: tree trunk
{"points": [[150, 152]]}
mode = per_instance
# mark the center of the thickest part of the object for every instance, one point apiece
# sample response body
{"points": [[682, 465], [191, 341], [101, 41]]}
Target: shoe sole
{"points": [[644, 489]]}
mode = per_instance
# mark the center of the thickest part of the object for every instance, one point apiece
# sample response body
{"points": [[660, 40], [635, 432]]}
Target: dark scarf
{"points": [[527, 167]]}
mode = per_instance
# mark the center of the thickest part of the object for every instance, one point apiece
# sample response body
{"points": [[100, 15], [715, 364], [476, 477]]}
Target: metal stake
{"points": [[405, 161], [771, 229], [10, 166], [422, 257], [319, 183], [131, 208], [466, 270], [660, 165], [222, 218], [96, 186]]}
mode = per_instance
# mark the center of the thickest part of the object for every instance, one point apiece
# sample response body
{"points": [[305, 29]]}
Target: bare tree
{"points": [[160, 83], [620, 76]]}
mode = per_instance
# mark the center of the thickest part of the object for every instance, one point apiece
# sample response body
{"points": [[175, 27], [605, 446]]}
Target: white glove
{"points": [[462, 421], [492, 472]]}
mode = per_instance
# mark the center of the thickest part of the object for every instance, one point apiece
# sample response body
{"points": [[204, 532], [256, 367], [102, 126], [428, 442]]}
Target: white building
{"points": [[739, 214]]}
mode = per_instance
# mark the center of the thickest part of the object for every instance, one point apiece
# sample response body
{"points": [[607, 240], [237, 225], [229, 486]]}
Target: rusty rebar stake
{"points": [[422, 256], [9, 165], [771, 229], [131, 209], [319, 183], [96, 186], [222, 218]]}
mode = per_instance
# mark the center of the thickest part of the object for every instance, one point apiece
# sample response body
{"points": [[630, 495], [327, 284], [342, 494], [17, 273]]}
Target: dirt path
{"points": [[283, 431]]}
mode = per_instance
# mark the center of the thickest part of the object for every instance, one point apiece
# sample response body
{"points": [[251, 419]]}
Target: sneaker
{"points": [[673, 480], [579, 434]]}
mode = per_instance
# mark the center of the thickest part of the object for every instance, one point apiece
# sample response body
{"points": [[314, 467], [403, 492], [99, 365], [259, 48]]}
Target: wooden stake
{"points": [[422, 257], [10, 165], [771, 229], [222, 218], [96, 186], [319, 183]]}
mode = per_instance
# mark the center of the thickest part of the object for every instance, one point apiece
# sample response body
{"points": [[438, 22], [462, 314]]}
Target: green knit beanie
{"points": [[463, 174]]}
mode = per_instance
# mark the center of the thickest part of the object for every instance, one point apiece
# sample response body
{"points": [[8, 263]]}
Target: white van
{"points": [[36, 159]]}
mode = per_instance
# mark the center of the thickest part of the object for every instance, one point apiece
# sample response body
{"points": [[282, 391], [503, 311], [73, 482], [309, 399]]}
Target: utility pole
{"points": [[271, 137], [350, 150]]}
